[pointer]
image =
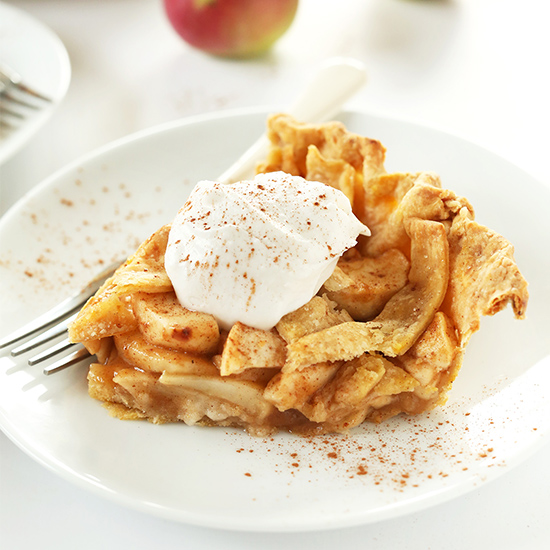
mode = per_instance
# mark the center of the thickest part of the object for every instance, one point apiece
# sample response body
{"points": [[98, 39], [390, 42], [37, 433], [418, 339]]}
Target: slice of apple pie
{"points": [[382, 331]]}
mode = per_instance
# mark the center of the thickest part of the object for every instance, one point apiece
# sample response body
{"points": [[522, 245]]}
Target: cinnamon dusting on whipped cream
{"points": [[256, 250]]}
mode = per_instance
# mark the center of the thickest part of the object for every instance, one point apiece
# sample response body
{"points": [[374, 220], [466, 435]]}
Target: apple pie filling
{"points": [[384, 334]]}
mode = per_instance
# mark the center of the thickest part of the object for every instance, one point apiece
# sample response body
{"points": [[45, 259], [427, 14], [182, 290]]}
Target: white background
{"points": [[477, 68]]}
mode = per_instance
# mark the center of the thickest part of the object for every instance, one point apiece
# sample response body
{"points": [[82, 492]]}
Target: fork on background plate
{"points": [[17, 99]]}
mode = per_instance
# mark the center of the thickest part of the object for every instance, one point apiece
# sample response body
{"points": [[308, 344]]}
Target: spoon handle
{"points": [[334, 83]]}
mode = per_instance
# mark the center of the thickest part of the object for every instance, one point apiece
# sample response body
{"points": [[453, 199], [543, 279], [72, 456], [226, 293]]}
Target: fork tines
{"points": [[17, 99], [53, 324]]}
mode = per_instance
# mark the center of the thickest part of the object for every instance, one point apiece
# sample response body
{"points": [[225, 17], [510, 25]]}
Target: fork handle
{"points": [[8, 75]]}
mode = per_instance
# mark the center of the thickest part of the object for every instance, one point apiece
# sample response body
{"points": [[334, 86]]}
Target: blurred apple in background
{"points": [[231, 28]]}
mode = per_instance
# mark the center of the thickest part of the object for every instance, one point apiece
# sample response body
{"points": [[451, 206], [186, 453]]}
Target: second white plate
{"points": [[102, 206], [38, 55]]}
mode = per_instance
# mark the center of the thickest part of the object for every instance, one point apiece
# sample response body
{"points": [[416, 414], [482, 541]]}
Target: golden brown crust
{"points": [[484, 276], [362, 285]]}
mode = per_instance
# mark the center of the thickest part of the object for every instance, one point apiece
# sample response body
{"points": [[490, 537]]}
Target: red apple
{"points": [[231, 28]]}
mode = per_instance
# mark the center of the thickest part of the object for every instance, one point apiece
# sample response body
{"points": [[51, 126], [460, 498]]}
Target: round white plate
{"points": [[102, 206], [39, 56]]}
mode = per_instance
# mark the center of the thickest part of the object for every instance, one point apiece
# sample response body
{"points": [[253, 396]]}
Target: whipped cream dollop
{"points": [[256, 250]]}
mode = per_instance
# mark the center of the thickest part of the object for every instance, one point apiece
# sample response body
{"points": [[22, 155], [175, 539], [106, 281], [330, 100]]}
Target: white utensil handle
{"points": [[322, 99]]}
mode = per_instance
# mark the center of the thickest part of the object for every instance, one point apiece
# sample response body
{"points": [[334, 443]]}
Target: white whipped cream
{"points": [[256, 250]]}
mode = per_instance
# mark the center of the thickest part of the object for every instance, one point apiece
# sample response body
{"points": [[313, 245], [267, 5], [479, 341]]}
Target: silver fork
{"points": [[52, 324], [333, 84], [17, 99]]}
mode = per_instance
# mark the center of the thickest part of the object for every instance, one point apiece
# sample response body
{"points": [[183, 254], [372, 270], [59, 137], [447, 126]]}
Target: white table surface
{"points": [[477, 68]]}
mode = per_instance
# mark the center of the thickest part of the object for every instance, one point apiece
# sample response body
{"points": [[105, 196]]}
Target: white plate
{"points": [[102, 206], [37, 54]]}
